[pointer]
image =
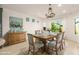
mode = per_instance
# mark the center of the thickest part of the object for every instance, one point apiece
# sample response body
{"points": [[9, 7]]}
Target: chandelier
{"points": [[50, 14]]}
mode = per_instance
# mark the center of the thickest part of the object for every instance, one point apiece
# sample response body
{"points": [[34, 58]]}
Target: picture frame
{"points": [[15, 24], [27, 19], [33, 20]]}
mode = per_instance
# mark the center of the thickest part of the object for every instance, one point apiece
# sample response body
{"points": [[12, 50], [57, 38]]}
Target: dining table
{"points": [[44, 39]]}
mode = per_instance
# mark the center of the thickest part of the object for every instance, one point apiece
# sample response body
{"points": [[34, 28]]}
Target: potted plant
{"points": [[55, 27]]}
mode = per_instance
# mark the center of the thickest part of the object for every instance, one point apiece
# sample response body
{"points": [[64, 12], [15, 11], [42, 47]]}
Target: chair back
{"points": [[30, 39], [45, 33], [59, 37], [37, 31]]}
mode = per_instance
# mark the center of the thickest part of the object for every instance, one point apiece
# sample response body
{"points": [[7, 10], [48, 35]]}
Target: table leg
{"points": [[45, 46]]}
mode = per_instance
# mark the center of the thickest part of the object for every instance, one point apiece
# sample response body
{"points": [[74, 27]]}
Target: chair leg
{"points": [[48, 50], [60, 47], [63, 45], [56, 52], [29, 50], [33, 50]]}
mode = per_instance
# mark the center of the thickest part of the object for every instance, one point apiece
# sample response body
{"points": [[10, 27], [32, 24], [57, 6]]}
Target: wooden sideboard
{"points": [[15, 37]]}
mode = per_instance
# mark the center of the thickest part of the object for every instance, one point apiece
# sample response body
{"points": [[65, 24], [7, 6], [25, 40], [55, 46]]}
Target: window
{"points": [[77, 26]]}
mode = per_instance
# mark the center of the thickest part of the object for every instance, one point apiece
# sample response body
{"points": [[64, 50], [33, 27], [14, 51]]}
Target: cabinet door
{"points": [[0, 22]]}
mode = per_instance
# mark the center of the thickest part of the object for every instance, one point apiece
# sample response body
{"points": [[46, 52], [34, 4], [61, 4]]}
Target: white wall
{"points": [[29, 27], [70, 26]]}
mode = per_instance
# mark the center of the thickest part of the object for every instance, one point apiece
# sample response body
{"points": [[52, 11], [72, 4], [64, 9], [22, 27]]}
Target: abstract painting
{"points": [[16, 24]]}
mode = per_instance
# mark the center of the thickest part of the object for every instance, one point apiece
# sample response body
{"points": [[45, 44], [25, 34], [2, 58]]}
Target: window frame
{"points": [[75, 24]]}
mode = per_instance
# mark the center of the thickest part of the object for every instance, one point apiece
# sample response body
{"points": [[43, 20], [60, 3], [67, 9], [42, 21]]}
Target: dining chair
{"points": [[37, 31], [34, 46], [63, 40], [56, 43]]}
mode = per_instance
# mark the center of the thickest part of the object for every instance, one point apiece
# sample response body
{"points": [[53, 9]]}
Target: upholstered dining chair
{"points": [[33, 45], [37, 31], [56, 43]]}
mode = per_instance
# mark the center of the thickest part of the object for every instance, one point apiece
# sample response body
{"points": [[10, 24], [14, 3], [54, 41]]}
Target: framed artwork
{"points": [[27, 19], [15, 24], [33, 20]]}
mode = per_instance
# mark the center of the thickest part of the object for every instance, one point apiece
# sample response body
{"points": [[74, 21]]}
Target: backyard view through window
{"points": [[77, 26]]}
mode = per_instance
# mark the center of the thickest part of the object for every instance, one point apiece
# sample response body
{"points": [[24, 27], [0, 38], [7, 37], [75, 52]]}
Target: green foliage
{"points": [[55, 27]]}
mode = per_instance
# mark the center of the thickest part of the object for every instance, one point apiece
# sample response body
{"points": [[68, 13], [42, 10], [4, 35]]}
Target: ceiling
{"points": [[39, 10]]}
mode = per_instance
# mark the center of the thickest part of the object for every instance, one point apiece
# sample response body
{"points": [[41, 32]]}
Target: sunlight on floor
{"points": [[71, 48]]}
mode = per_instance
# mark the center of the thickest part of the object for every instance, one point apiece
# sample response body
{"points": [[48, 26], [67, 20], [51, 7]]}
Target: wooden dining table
{"points": [[44, 39]]}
